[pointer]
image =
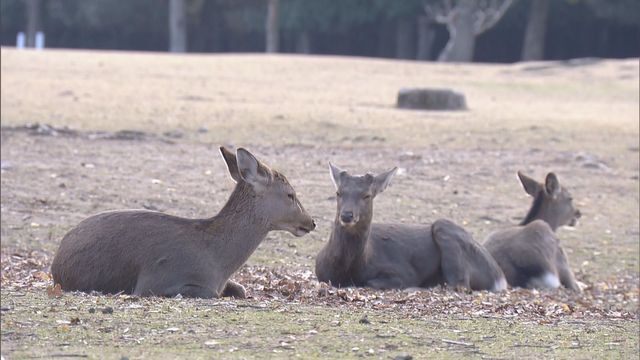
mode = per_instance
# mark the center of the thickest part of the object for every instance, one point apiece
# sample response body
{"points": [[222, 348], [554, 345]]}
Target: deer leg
{"points": [[233, 289], [567, 279], [448, 237]]}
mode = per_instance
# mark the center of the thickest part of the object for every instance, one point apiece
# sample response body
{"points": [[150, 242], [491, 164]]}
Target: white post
{"points": [[20, 40], [39, 40]]}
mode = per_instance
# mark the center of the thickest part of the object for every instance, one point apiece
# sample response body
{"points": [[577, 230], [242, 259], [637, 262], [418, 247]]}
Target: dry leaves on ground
{"points": [[613, 299]]}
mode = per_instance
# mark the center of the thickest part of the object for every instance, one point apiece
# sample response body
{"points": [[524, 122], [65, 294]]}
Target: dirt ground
{"points": [[83, 132]]}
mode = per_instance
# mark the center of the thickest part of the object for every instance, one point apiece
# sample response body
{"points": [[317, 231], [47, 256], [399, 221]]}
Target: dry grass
{"points": [[296, 113], [294, 99]]}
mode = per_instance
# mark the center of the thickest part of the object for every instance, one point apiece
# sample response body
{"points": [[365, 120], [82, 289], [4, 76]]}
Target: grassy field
{"points": [[578, 119]]}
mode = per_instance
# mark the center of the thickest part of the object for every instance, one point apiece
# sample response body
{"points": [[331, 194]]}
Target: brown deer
{"points": [[530, 254], [150, 253], [398, 256]]}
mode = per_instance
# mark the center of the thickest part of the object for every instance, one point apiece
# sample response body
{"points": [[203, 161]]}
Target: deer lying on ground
{"points": [[150, 253], [398, 256], [530, 254]]}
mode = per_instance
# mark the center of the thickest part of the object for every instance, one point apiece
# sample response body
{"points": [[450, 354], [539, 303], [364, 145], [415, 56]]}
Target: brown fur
{"points": [[150, 253], [396, 256], [530, 254]]}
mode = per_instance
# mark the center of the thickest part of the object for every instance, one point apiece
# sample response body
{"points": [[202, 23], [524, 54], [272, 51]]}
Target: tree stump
{"points": [[431, 99]]}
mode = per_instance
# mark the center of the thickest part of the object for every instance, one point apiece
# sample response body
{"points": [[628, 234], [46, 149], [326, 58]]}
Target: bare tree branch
{"points": [[488, 13], [465, 20], [441, 11]]}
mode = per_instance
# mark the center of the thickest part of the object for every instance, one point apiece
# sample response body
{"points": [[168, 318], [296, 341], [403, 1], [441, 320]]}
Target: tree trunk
{"points": [[533, 46], [385, 40], [34, 23], [303, 43], [426, 36], [177, 26], [272, 27], [462, 38], [404, 39]]}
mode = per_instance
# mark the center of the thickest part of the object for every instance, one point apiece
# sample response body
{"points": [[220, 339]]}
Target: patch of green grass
{"points": [[38, 326]]}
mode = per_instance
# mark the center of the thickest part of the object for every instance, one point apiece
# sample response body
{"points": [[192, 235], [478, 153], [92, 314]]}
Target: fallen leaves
{"points": [[54, 291], [269, 288], [24, 269], [617, 298]]}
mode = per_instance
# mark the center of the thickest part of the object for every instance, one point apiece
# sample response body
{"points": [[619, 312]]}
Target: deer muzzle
{"points": [[305, 228], [574, 220], [347, 218]]}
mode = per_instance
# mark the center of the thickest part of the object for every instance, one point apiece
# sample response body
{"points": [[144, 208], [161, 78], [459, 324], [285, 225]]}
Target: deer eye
{"points": [[338, 194], [291, 197], [366, 196]]}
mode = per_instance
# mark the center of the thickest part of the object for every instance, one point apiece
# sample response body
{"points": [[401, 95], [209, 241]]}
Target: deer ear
{"points": [[335, 173], [530, 185], [552, 185], [232, 164], [252, 171], [380, 182]]}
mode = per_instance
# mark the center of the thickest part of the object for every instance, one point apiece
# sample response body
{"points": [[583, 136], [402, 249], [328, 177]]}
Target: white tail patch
{"points": [[500, 284], [546, 281]]}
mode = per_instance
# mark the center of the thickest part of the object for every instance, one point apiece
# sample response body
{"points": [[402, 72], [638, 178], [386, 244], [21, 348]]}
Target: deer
{"points": [[383, 256], [530, 254], [149, 253]]}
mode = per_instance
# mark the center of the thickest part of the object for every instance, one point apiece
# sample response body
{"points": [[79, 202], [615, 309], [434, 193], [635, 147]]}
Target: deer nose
{"points": [[313, 224], [578, 214], [346, 217]]}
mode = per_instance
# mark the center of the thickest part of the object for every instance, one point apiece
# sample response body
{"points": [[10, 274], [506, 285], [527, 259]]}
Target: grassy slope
{"points": [[327, 102]]}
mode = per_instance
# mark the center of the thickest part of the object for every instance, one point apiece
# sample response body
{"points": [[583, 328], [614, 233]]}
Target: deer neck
{"points": [[537, 212], [347, 249], [237, 230]]}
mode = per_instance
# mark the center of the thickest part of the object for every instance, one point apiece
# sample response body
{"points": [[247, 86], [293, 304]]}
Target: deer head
{"points": [[552, 202], [274, 199], [355, 195]]}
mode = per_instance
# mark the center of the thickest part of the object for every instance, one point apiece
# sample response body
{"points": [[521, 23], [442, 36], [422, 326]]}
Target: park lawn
{"points": [[76, 326], [578, 119]]}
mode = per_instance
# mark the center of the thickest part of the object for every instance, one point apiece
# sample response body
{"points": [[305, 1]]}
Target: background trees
{"points": [[465, 20], [272, 26], [533, 45], [177, 26], [34, 23], [446, 30]]}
